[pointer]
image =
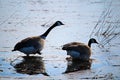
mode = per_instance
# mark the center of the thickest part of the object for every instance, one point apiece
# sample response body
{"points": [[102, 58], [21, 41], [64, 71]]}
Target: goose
{"points": [[33, 45], [79, 50]]}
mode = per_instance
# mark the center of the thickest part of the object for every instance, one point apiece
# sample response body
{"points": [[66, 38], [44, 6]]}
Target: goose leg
{"points": [[27, 55]]}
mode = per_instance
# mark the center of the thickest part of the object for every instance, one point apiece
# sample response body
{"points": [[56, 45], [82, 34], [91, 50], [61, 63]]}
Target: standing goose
{"points": [[79, 50], [33, 45]]}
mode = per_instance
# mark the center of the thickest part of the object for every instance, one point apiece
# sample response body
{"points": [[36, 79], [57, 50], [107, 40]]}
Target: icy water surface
{"points": [[23, 18]]}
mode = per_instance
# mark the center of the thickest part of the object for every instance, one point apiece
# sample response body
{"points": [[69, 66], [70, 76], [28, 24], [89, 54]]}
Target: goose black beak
{"points": [[13, 50], [97, 42]]}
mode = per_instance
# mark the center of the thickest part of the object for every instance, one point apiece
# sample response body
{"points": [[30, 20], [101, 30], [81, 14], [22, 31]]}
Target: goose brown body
{"points": [[33, 45], [30, 45], [79, 50]]}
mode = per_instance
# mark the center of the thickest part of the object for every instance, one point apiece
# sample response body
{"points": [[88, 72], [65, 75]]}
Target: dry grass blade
{"points": [[107, 27]]}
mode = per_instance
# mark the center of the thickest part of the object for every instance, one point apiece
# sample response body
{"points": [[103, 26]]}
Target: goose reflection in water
{"points": [[76, 65], [31, 65]]}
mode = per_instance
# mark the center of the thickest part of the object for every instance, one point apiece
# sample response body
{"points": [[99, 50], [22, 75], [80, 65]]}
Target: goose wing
{"points": [[28, 42], [76, 46], [71, 45]]}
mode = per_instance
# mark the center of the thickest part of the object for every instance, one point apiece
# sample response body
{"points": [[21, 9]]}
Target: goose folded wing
{"points": [[28, 42]]}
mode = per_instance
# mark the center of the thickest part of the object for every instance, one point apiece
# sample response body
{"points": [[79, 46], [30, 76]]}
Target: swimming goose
{"points": [[33, 45], [79, 50]]}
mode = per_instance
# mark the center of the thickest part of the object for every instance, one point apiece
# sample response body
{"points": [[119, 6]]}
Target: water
{"points": [[21, 19]]}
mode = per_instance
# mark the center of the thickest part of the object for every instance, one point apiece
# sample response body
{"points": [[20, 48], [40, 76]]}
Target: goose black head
{"points": [[58, 23], [92, 40]]}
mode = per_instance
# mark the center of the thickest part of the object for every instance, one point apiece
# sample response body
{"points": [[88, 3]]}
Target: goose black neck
{"points": [[89, 43], [44, 35]]}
